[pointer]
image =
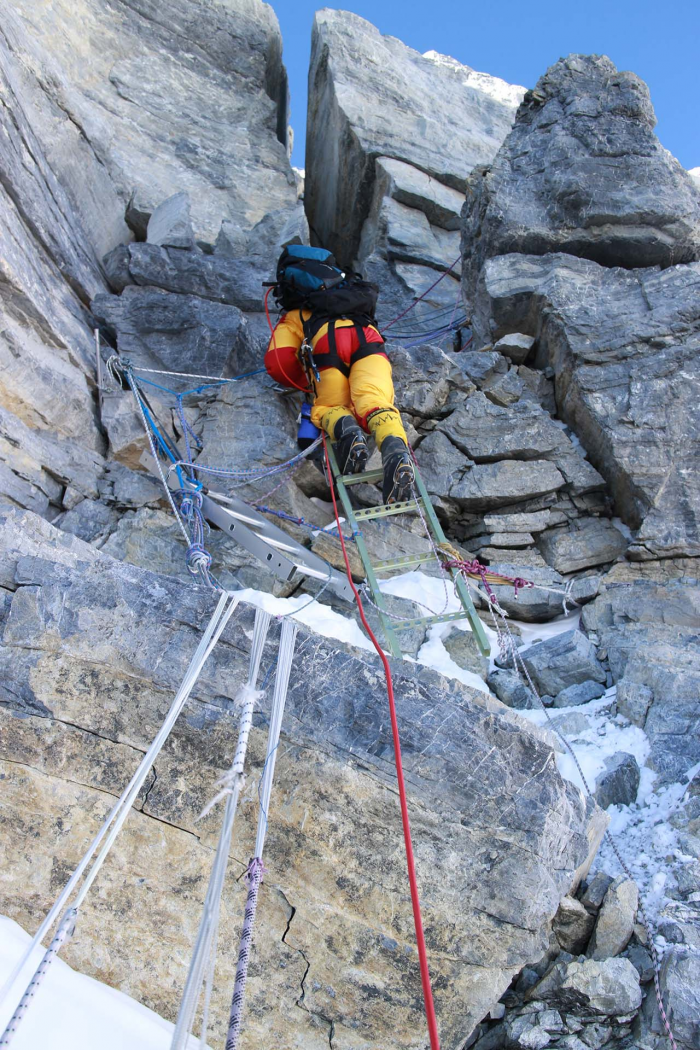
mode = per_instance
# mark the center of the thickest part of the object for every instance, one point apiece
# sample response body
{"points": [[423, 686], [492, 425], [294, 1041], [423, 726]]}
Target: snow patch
{"points": [[72, 1011], [500, 90]]}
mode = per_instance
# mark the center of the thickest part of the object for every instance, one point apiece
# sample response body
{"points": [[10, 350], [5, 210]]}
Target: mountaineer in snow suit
{"points": [[354, 392]]}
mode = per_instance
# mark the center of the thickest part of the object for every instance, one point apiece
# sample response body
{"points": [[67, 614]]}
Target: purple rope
{"points": [[254, 875]]}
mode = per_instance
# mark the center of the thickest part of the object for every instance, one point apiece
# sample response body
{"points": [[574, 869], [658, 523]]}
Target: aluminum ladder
{"points": [[422, 501]]}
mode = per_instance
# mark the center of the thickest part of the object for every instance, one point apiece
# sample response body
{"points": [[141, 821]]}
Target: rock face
{"points": [[391, 137], [626, 377], [582, 172], [575, 399], [153, 124], [649, 631], [75, 630], [106, 114]]}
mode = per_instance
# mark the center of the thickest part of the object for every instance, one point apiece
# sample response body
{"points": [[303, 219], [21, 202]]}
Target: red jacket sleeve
{"points": [[281, 360]]}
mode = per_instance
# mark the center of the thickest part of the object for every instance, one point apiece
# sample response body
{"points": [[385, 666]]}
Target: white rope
{"points": [[284, 666], [207, 936], [122, 807], [255, 870]]}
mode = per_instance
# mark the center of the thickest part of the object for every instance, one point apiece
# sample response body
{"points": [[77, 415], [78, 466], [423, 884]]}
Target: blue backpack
{"points": [[309, 278]]}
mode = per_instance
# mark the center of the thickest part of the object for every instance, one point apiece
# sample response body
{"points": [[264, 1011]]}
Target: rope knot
{"points": [[256, 870], [197, 559]]}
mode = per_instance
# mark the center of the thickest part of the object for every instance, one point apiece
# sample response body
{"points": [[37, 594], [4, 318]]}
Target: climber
{"points": [[327, 340]]}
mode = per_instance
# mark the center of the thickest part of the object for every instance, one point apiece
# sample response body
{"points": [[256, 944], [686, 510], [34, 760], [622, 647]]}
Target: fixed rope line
{"points": [[415, 302], [250, 473], [410, 862], [195, 375], [113, 823], [256, 868], [202, 964], [508, 647]]}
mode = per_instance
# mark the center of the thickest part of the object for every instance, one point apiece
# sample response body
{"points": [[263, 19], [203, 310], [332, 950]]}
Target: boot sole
{"points": [[357, 458], [403, 485]]}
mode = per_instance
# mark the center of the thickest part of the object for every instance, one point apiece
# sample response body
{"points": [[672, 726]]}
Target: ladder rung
{"points": [[407, 562], [359, 479], [386, 510], [406, 625]]}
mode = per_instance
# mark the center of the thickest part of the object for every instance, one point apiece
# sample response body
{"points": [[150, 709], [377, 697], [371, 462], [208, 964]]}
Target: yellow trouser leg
{"points": [[332, 400], [372, 392]]}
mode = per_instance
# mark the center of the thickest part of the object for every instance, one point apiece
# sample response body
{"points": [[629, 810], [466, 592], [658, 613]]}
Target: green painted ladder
{"points": [[355, 518]]}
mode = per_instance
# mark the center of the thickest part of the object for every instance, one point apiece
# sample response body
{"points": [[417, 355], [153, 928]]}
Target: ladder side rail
{"points": [[462, 589], [377, 595]]}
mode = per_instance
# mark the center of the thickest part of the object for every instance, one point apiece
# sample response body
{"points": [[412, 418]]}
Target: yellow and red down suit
{"points": [[358, 383]]}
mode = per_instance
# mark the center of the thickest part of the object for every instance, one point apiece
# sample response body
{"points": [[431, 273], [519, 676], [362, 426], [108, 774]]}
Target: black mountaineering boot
{"points": [[350, 446], [398, 470]]}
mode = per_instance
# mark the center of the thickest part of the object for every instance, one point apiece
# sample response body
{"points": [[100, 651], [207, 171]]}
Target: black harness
{"points": [[331, 358]]}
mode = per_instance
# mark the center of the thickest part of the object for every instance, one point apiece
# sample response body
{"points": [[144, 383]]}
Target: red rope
{"points": [[420, 939]]}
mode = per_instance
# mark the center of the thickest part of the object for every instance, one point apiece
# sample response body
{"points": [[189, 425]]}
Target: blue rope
{"points": [[204, 386]]}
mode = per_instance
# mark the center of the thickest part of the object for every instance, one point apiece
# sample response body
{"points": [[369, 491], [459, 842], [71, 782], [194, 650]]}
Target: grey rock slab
{"points": [[615, 923], [181, 333], [428, 382], [511, 690], [572, 926], [487, 486], [134, 111], [642, 962], [619, 783], [130, 489], [90, 520], [650, 631], [581, 475], [482, 366], [116, 268], [538, 388], [487, 432], [170, 224], [22, 493], [563, 660], [407, 184], [534, 522], [627, 379], [463, 649], [218, 277], [581, 693], [25, 534], [610, 987], [125, 431], [440, 117], [41, 459], [77, 630], [584, 544], [407, 235], [516, 556], [679, 979], [593, 896], [515, 346], [502, 539], [505, 390], [582, 172]]}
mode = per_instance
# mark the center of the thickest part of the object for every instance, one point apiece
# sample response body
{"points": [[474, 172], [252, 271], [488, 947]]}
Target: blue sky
{"points": [[657, 39]]}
